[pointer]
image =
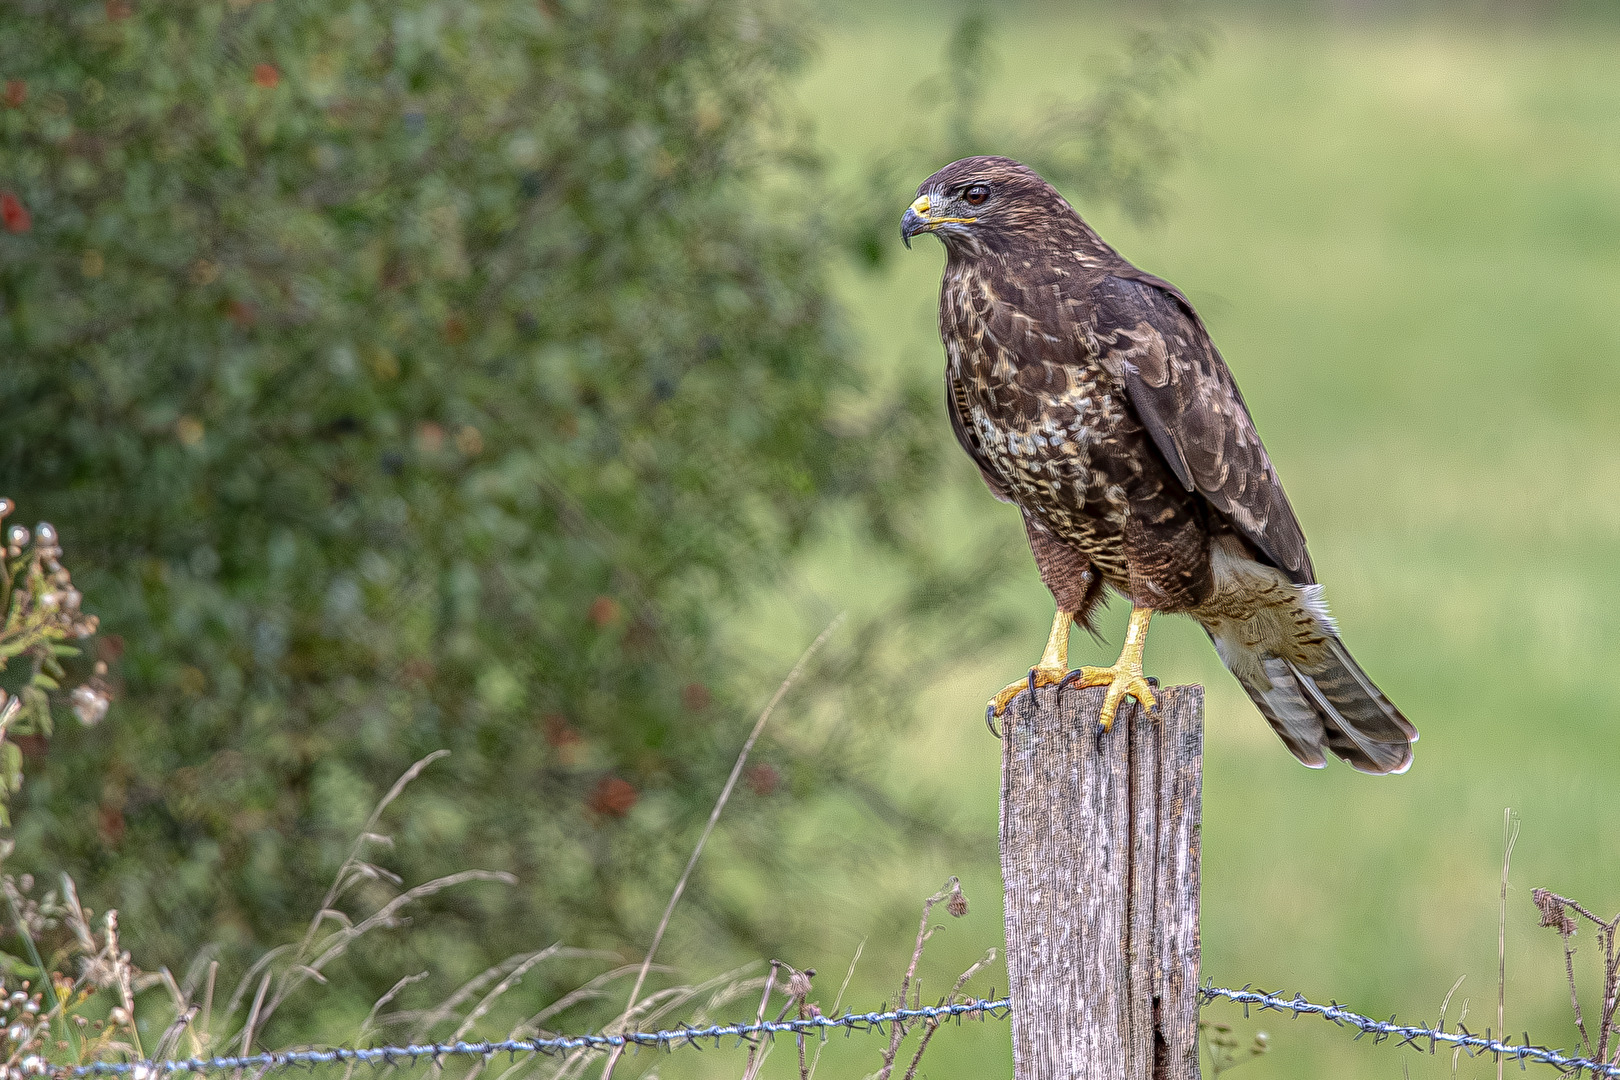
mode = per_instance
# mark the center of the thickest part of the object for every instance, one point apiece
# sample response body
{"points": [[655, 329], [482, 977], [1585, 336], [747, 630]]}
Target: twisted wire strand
{"points": [[1418, 1036], [667, 1039]]}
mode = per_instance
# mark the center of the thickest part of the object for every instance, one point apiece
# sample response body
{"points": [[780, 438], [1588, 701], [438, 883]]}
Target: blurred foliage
{"points": [[1226, 1051], [1116, 145], [427, 375]]}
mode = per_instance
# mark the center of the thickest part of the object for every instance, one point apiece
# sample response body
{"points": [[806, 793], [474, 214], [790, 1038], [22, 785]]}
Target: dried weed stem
{"points": [[708, 828], [1555, 911]]}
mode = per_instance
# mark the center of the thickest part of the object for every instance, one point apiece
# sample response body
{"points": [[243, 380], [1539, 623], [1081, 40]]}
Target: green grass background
{"points": [[1405, 237]]}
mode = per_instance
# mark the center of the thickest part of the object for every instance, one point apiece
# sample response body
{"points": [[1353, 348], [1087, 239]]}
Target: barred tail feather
{"points": [[1283, 703], [1379, 738], [1280, 641], [1329, 706]]}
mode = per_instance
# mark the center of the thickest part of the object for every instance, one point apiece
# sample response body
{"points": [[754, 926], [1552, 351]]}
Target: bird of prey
{"points": [[1090, 395]]}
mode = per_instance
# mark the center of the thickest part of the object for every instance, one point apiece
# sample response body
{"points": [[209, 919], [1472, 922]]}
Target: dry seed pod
{"points": [[799, 984]]}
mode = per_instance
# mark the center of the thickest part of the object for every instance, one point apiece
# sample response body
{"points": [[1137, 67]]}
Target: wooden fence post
{"points": [[1099, 853]]}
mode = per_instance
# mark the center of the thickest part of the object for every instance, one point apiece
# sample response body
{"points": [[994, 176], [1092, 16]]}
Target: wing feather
{"points": [[1188, 401], [956, 404]]}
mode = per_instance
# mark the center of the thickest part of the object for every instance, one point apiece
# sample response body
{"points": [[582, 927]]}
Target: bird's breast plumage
{"points": [[1041, 413]]}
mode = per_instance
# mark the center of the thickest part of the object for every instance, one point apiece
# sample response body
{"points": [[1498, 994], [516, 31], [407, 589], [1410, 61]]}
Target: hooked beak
{"points": [[917, 220]]}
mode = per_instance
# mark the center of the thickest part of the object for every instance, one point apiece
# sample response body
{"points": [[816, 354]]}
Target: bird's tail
{"points": [[1328, 705], [1287, 654], [1278, 638]]}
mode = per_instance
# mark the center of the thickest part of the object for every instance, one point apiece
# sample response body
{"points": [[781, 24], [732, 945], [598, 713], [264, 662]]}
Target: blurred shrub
{"points": [[419, 375], [411, 375]]}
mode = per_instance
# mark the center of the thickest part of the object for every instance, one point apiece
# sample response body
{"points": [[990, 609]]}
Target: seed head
{"points": [[1553, 913], [799, 984]]}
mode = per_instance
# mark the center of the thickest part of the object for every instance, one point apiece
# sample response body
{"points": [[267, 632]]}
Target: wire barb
{"points": [[868, 1022], [981, 1009], [1409, 1033]]}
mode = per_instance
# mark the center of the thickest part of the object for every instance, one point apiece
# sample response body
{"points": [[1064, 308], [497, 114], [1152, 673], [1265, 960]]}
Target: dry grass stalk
{"points": [[911, 986], [1226, 1051], [280, 971], [421, 1022], [268, 983], [370, 1021], [708, 828], [532, 1027], [591, 991], [755, 1058], [838, 1004], [721, 991], [898, 1031], [481, 1010], [932, 1025], [1510, 836], [1445, 1003], [1456, 1055]]}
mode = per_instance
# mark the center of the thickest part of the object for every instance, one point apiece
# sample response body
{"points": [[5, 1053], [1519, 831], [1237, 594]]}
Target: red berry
{"points": [[110, 823], [613, 797], [763, 779], [16, 93], [266, 75], [604, 611], [13, 214], [560, 733], [695, 696]]}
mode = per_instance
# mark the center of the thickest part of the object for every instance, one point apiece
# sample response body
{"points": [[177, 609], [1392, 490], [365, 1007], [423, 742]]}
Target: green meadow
{"points": [[1405, 237]]}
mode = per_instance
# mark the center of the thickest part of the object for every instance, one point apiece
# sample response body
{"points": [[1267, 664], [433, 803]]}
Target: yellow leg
{"points": [[1125, 678], [1051, 669]]}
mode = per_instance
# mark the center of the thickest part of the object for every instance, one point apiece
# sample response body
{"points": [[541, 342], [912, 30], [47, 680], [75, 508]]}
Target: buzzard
{"points": [[1090, 395]]}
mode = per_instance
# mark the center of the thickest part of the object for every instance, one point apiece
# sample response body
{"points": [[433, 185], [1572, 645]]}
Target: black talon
{"points": [[1066, 680], [990, 719], [1101, 731], [1032, 699]]}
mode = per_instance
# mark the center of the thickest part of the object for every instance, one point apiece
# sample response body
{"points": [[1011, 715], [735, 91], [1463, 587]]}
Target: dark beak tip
{"points": [[910, 225]]}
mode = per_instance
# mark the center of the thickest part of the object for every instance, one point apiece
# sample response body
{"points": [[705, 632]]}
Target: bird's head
{"points": [[982, 203]]}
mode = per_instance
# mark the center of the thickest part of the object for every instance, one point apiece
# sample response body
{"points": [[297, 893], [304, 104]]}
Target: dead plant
{"points": [[1555, 914]]}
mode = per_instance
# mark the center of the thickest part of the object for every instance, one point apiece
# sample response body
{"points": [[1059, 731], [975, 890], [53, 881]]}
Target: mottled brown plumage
{"points": [[1089, 393]]}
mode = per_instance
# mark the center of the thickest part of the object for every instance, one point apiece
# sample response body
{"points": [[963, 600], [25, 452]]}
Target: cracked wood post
{"points": [[1099, 853]]}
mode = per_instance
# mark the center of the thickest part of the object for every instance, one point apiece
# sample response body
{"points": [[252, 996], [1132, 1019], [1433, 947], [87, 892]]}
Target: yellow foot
{"points": [[1124, 679], [1051, 669], [1038, 676]]}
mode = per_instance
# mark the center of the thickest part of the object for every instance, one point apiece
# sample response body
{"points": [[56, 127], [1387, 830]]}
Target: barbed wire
{"points": [[1414, 1035], [667, 1039], [1418, 1036]]}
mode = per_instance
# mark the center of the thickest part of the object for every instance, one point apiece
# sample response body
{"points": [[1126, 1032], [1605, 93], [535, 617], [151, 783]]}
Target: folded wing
{"points": [[1190, 404]]}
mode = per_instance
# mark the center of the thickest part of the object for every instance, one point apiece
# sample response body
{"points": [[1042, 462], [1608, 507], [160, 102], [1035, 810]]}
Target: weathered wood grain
{"points": [[1099, 853]]}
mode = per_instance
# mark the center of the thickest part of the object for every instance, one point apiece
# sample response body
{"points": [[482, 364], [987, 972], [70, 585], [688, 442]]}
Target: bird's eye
{"points": [[976, 194]]}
